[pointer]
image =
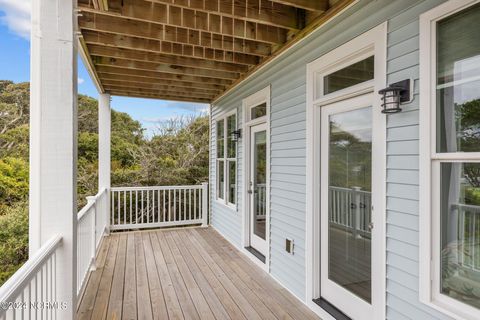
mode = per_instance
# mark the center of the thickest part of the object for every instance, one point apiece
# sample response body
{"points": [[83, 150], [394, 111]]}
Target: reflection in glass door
{"points": [[346, 209], [349, 175], [257, 189]]}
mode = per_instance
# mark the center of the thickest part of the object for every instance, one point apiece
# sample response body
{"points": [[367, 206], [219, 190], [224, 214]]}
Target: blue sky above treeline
{"points": [[15, 66]]}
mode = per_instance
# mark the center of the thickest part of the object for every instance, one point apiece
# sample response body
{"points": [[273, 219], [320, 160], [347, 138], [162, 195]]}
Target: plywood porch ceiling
{"points": [[189, 50]]}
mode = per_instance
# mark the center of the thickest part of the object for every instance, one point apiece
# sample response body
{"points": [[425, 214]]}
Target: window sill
{"points": [[229, 205]]}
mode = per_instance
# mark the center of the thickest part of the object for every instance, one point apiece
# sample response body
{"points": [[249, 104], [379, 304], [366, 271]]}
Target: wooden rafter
{"points": [[265, 12], [158, 95], [259, 33], [99, 50], [158, 86], [148, 66], [186, 93], [139, 81], [145, 30], [165, 47], [158, 75], [312, 5]]}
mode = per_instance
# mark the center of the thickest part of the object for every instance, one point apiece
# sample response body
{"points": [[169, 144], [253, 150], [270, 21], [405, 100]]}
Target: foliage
{"points": [[176, 154], [13, 238], [13, 181]]}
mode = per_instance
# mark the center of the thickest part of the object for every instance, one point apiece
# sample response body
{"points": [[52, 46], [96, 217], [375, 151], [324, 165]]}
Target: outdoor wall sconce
{"points": [[394, 95], [236, 135]]}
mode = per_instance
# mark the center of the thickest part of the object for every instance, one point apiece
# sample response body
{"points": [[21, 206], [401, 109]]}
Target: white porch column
{"points": [[104, 146], [53, 139]]}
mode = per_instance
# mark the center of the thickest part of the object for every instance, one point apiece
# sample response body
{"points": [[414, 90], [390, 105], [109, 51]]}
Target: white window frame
{"points": [[430, 160], [372, 42], [226, 161]]}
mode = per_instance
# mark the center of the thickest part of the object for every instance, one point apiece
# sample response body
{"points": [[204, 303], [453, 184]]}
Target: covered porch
{"points": [[81, 263]]}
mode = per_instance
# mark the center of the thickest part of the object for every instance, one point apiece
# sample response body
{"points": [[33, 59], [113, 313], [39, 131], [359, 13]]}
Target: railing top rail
{"points": [[348, 189], [90, 204], [10, 289], [192, 187], [467, 206]]}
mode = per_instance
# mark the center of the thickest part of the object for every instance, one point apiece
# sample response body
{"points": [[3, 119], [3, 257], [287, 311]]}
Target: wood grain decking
{"points": [[182, 274]]}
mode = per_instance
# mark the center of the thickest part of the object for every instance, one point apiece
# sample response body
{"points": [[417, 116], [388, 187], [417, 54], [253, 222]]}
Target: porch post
{"points": [[104, 146], [53, 140]]}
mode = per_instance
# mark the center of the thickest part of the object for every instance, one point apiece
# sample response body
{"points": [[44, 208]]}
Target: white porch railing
{"points": [[92, 224], [468, 230], [31, 292], [155, 207], [350, 209], [261, 201]]}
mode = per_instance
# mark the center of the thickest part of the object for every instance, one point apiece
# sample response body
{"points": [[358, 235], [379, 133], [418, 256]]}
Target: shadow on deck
{"points": [[191, 273]]}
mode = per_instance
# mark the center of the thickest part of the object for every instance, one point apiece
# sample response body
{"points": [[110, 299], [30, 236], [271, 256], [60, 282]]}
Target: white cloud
{"points": [[80, 80], [16, 16]]}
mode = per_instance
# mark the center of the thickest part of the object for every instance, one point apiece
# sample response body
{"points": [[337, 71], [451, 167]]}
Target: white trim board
{"points": [[373, 42]]}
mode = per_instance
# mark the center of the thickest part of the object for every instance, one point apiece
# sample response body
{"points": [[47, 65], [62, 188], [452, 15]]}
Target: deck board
{"points": [[182, 274]]}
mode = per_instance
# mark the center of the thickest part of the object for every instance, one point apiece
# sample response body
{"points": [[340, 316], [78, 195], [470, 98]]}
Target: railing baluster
{"points": [[153, 205], [158, 205], [174, 205], [130, 206], [148, 206], [189, 204]]}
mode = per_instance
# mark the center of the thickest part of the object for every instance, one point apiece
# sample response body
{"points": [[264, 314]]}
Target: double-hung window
{"points": [[227, 159], [450, 158]]}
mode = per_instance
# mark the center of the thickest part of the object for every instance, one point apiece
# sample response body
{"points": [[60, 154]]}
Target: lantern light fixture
{"points": [[236, 135], [394, 95]]}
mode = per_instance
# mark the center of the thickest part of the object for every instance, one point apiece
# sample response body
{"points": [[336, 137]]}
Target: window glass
{"points": [[231, 145], [353, 74], [458, 82], [232, 182], [220, 138], [221, 179], [258, 111], [460, 231]]}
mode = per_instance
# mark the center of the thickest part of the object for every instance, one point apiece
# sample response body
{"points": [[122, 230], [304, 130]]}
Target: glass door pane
{"points": [[349, 201], [259, 168]]}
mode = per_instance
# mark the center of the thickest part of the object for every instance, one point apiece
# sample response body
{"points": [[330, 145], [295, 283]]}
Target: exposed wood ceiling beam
{"points": [[120, 26], [135, 80], [152, 74], [158, 97], [160, 22], [272, 13], [151, 66], [98, 50], [312, 5], [179, 93], [165, 47], [157, 86]]}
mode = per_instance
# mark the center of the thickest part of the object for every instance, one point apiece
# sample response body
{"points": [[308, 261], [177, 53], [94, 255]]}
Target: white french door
{"points": [[348, 191], [257, 188]]}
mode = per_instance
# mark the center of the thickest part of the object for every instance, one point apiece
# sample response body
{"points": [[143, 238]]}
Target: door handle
{"points": [[250, 191]]}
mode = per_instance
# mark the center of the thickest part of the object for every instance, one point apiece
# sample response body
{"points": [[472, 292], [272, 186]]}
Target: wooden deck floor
{"points": [[182, 274]]}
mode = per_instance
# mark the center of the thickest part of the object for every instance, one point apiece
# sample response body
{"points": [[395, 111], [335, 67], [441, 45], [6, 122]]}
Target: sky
{"points": [[15, 66]]}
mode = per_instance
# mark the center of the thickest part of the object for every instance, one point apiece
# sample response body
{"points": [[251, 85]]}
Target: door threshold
{"points": [[256, 253], [331, 309]]}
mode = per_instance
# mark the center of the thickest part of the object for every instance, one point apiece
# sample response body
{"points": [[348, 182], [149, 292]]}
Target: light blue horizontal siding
{"points": [[402, 171], [286, 76]]}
